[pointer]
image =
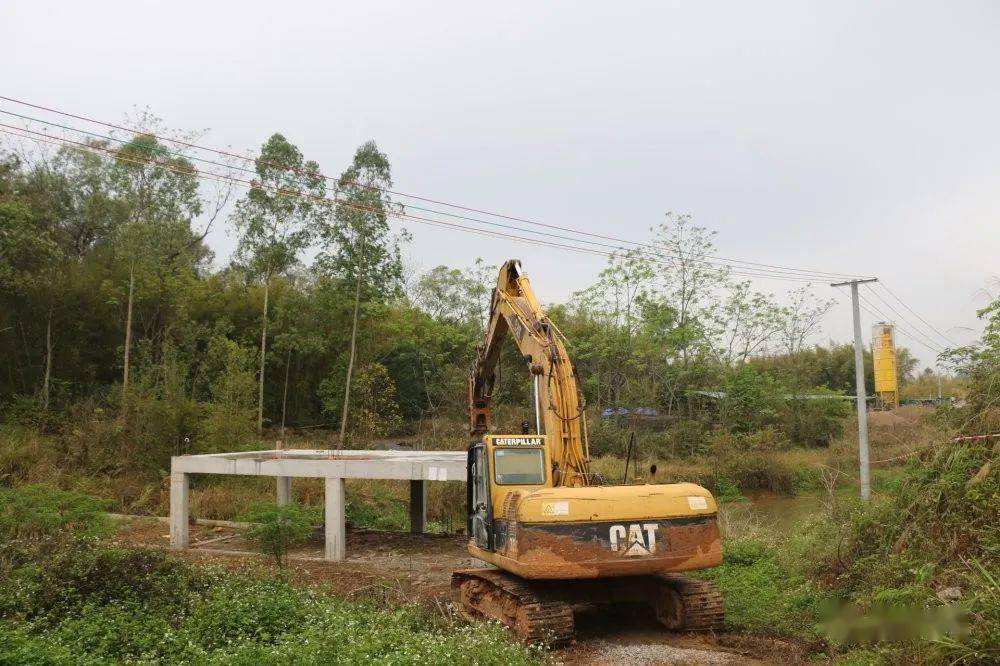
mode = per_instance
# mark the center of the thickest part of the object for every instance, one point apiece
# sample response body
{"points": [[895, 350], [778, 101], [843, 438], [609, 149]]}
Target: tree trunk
{"points": [[284, 395], [263, 352], [128, 329], [350, 361], [48, 363]]}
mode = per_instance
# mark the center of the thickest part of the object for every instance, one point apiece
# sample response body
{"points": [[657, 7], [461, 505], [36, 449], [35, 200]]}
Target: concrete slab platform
{"points": [[333, 465]]}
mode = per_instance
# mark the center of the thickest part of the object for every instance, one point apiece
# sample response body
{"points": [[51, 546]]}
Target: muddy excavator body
{"points": [[558, 537]]}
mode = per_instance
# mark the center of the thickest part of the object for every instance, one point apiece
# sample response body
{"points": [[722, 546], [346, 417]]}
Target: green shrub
{"points": [[275, 529], [815, 421], [764, 594], [726, 490], [373, 410], [757, 470], [752, 401], [230, 416], [19, 646], [938, 527], [222, 618], [236, 611], [386, 513], [85, 573], [686, 438], [36, 512]]}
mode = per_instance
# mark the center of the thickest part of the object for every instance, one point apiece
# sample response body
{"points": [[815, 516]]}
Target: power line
{"points": [[883, 317], [76, 145], [46, 138], [763, 273], [747, 265], [917, 315], [757, 272], [902, 318], [244, 183]]}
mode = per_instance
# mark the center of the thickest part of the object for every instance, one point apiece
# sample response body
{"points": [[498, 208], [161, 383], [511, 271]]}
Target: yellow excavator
{"points": [[559, 539]]}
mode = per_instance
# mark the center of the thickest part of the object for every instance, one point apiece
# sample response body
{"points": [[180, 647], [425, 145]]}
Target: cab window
{"points": [[519, 467]]}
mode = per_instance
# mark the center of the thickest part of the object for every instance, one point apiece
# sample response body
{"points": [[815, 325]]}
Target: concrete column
{"points": [[284, 489], [179, 491], [336, 534], [418, 506]]}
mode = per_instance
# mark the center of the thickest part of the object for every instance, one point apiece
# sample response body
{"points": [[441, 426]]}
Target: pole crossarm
{"points": [[850, 282]]}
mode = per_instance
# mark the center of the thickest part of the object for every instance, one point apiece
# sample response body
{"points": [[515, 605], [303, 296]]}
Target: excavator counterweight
{"points": [[560, 539]]}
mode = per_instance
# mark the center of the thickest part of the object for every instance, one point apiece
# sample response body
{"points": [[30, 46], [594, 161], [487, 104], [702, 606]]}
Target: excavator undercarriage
{"points": [[541, 611]]}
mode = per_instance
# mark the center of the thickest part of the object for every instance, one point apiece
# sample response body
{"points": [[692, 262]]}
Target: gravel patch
{"points": [[650, 654]]}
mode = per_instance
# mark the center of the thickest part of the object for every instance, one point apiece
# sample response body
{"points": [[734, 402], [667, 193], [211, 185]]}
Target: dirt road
{"points": [[398, 567]]}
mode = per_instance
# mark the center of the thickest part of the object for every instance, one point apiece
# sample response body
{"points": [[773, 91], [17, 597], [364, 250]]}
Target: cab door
{"points": [[480, 505]]}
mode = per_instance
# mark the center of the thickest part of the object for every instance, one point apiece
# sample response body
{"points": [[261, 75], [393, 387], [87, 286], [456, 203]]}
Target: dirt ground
{"points": [[397, 567]]}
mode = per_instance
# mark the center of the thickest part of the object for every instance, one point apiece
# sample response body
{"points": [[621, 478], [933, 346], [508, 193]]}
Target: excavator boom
{"points": [[559, 408]]}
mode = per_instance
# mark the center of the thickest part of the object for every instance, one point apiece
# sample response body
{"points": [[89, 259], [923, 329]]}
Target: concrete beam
{"points": [[284, 489], [179, 493], [418, 506], [425, 465], [336, 532]]}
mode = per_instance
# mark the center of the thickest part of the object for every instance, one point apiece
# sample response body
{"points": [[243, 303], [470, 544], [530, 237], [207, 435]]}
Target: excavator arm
{"points": [[559, 407]]}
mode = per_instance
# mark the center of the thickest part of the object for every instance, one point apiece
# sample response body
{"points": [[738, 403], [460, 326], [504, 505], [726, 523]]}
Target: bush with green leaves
{"points": [[37, 512], [937, 527], [815, 419], [764, 593], [137, 606], [277, 528]]}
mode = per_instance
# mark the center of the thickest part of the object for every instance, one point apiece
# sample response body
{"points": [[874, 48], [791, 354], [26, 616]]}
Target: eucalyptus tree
{"points": [[359, 246], [160, 192], [275, 222]]}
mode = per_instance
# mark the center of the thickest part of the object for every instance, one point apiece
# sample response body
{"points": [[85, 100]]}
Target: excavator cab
{"points": [[498, 464]]}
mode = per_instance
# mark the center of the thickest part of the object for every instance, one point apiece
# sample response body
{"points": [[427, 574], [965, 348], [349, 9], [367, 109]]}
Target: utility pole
{"points": [[859, 389]]}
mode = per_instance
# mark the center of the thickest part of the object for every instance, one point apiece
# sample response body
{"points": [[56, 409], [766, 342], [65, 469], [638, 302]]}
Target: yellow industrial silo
{"points": [[884, 365]]}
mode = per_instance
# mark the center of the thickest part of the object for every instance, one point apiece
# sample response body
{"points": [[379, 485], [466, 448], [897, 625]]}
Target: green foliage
{"points": [[753, 400], [359, 248], [63, 581], [380, 512], [36, 512], [275, 529], [763, 594], [815, 420], [135, 606], [275, 227], [228, 423], [374, 411], [936, 528]]}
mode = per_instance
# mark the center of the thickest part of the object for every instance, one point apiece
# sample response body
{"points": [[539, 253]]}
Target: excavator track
{"points": [[542, 611], [688, 604], [501, 596]]}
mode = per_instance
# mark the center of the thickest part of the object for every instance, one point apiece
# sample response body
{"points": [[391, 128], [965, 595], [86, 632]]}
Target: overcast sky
{"points": [[853, 137]]}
